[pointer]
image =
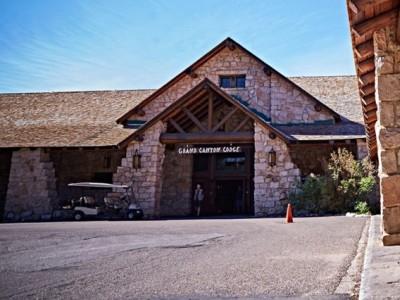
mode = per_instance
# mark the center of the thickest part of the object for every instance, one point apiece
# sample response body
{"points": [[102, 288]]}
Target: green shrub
{"points": [[346, 185], [361, 208]]}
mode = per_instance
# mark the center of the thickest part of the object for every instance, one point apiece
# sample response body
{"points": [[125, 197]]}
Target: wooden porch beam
{"points": [[210, 111], [244, 121], [207, 138], [171, 111], [194, 119], [226, 118], [176, 125], [369, 25], [360, 4]]}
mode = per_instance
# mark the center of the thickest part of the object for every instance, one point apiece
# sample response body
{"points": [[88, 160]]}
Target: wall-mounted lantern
{"points": [[272, 158], [137, 164]]}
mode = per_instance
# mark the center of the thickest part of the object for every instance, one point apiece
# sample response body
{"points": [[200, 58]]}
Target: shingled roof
{"points": [[65, 119], [88, 119], [338, 92]]}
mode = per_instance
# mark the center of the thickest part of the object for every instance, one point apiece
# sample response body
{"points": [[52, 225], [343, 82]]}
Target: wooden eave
{"points": [[227, 43], [195, 93], [366, 17]]}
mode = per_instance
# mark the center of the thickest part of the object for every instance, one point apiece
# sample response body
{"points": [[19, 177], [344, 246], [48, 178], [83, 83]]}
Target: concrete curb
{"points": [[350, 283], [380, 278]]}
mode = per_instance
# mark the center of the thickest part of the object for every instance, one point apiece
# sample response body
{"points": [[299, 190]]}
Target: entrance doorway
{"points": [[227, 181]]}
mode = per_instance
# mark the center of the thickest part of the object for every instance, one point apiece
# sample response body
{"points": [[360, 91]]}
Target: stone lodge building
{"points": [[229, 122]]}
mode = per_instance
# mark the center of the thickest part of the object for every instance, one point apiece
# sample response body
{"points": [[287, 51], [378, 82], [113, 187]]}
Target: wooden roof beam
{"points": [[368, 100], [364, 50], [360, 4], [366, 66], [367, 78], [353, 7], [398, 27], [369, 25], [367, 90], [370, 116], [370, 107]]}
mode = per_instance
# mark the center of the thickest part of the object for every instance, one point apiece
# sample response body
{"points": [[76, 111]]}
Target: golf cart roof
{"points": [[100, 185]]}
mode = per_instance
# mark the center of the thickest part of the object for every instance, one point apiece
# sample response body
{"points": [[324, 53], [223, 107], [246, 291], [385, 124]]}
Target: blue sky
{"points": [[62, 45]]}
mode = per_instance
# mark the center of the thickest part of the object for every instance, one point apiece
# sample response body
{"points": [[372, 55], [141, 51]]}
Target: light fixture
{"points": [[272, 158], [137, 160]]}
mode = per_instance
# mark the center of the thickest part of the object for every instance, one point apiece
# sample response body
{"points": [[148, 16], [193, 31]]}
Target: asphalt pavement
{"points": [[185, 259]]}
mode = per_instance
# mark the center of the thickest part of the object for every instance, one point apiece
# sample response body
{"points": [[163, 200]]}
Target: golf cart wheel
{"points": [[78, 216], [131, 215]]}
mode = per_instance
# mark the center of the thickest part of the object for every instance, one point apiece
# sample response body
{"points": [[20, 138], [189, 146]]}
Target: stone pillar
{"points": [[146, 181], [176, 196], [31, 189], [272, 185], [387, 85]]}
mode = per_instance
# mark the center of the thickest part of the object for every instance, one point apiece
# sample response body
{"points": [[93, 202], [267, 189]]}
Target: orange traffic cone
{"points": [[289, 214]]}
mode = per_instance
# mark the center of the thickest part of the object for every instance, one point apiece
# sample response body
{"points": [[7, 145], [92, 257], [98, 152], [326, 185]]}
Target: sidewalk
{"points": [[381, 274]]}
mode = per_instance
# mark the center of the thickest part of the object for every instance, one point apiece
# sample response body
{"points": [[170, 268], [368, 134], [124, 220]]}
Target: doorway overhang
{"points": [[197, 106]]}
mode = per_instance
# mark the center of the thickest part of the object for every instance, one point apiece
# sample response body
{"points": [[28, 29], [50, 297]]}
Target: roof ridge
{"points": [[72, 92], [316, 76]]}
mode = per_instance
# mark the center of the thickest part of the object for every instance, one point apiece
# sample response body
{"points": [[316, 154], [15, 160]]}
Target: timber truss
{"points": [[207, 115]]}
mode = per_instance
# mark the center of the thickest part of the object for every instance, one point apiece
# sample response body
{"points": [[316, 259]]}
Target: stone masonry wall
{"points": [[290, 103], [146, 181], [272, 184], [32, 184], [387, 84], [176, 192]]}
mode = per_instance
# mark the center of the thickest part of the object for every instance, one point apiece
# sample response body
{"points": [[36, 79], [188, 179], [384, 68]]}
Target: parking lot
{"points": [[203, 258]]}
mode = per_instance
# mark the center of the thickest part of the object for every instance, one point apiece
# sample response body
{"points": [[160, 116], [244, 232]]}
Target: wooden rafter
{"points": [[357, 5], [368, 100], [367, 89], [367, 78], [226, 118], [194, 119], [176, 125], [366, 66], [371, 24], [398, 26], [241, 124], [210, 111], [364, 50]]}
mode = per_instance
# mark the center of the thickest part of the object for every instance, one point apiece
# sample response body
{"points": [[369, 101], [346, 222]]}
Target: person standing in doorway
{"points": [[198, 198]]}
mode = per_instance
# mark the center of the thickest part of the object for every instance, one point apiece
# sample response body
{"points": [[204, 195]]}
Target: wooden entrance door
{"points": [[227, 180]]}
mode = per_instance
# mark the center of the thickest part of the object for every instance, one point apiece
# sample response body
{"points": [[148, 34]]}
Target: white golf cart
{"points": [[86, 206]]}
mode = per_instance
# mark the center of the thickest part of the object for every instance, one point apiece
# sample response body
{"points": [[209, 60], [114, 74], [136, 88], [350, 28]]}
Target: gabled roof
{"points": [[366, 17], [207, 84], [87, 118], [65, 119], [227, 43]]}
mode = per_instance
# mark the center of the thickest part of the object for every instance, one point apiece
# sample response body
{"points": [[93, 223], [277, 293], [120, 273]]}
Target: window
{"points": [[232, 81], [231, 162]]}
